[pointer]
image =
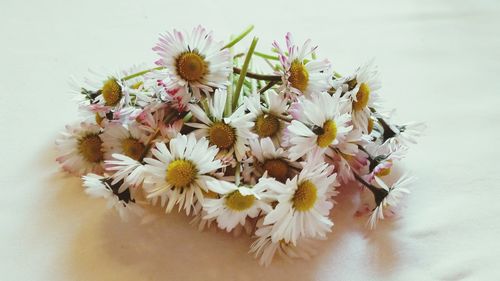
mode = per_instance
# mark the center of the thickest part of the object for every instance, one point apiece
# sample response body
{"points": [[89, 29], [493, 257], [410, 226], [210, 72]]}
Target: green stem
{"points": [[131, 76], [243, 72], [258, 76], [266, 56], [228, 109], [238, 38]]}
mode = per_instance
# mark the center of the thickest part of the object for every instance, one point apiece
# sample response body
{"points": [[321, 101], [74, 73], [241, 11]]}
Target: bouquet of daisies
{"points": [[247, 151]]}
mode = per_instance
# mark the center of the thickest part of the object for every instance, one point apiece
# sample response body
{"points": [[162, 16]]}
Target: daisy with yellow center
{"points": [[382, 159], [271, 160], [194, 60], [302, 75], [229, 134], [362, 93], [267, 114], [179, 174], [235, 204], [129, 141], [303, 205], [321, 125], [114, 94], [81, 149]]}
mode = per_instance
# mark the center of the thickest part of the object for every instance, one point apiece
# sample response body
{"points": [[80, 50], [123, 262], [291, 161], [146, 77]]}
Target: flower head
{"points": [[301, 75], [194, 60], [180, 173]]}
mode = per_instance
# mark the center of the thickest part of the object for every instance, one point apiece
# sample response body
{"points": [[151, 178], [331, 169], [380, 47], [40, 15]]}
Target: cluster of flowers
{"points": [[264, 154]]}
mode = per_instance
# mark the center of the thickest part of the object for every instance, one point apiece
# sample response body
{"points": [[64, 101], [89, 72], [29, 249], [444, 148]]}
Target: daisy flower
{"points": [[113, 93], [119, 139], [126, 170], [81, 149], [391, 201], [322, 126], [303, 205], [101, 187], [362, 89], [268, 122], [274, 161], [230, 134], [265, 249], [407, 133], [382, 158], [180, 173], [235, 204], [301, 75], [194, 60]]}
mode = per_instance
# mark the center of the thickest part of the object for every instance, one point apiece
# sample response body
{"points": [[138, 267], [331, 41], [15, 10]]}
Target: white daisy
{"points": [[274, 161], [114, 93], [194, 60], [267, 116], [235, 204], [391, 200], [303, 205], [362, 90], [99, 186], [130, 141], [180, 173], [301, 75], [230, 134], [81, 149], [265, 249], [126, 170], [322, 125], [408, 133]]}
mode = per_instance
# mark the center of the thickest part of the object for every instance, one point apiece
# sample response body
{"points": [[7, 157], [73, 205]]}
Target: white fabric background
{"points": [[439, 63]]}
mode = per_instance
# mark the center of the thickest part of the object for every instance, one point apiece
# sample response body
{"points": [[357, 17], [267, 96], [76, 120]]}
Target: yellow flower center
{"points": [[328, 134], [98, 119], [371, 123], [133, 148], [352, 84], [384, 171], [111, 92], [277, 168], [266, 125], [221, 135], [90, 148], [298, 76], [191, 66], [363, 96], [305, 196], [237, 202], [210, 194], [181, 173]]}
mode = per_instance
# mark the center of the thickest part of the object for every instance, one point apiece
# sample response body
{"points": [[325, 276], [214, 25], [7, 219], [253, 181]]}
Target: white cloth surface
{"points": [[439, 63]]}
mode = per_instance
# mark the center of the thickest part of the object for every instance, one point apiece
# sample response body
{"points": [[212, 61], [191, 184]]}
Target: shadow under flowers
{"points": [[102, 247]]}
